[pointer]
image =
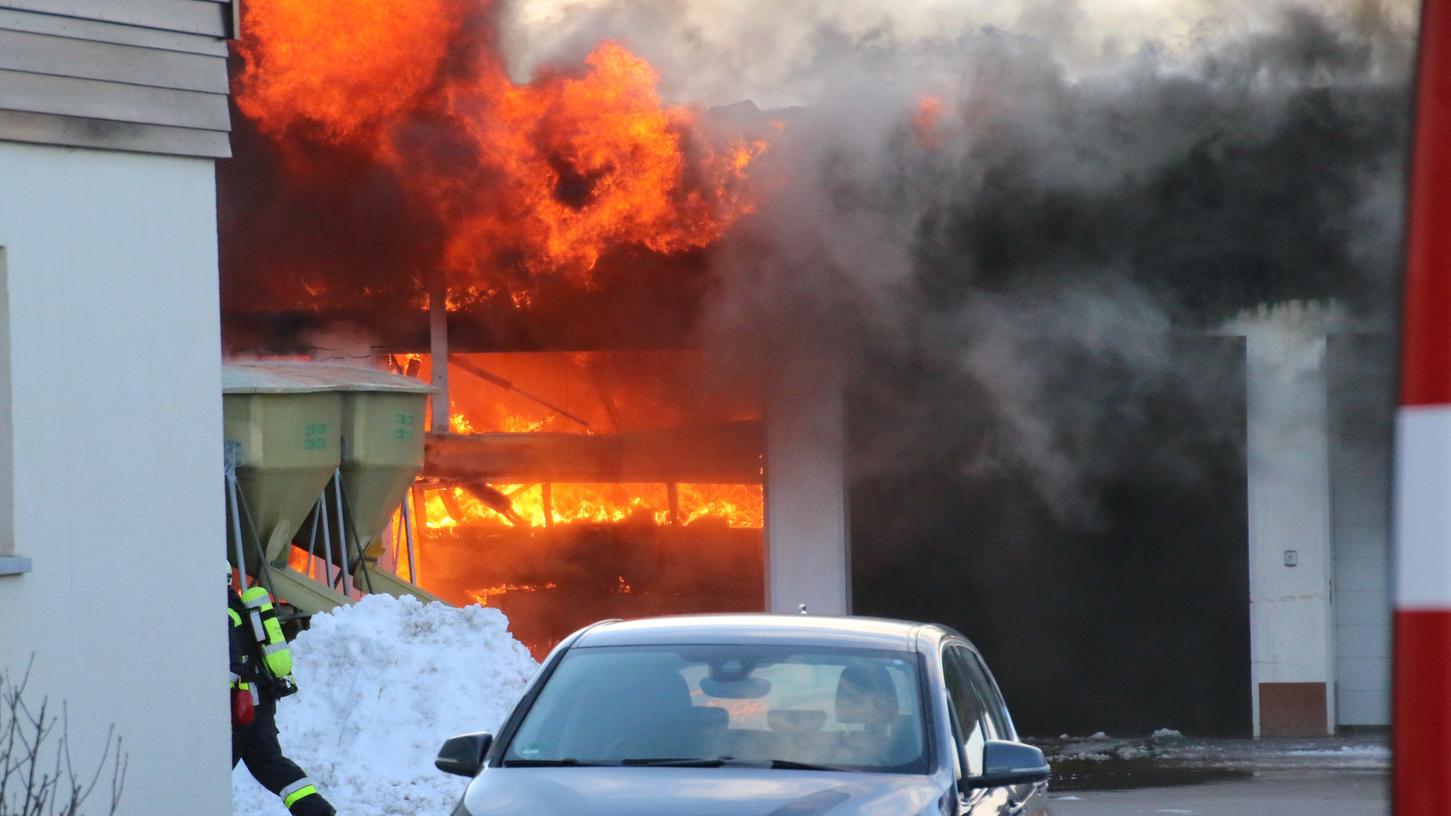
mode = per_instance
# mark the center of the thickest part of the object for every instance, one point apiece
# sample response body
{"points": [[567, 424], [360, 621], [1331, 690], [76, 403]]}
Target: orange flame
{"points": [[543, 177], [927, 119], [482, 596], [591, 161], [644, 391], [737, 506], [339, 66]]}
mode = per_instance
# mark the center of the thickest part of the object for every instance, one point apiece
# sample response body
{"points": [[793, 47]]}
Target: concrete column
{"points": [[807, 553], [438, 351], [1362, 399], [1290, 557]]}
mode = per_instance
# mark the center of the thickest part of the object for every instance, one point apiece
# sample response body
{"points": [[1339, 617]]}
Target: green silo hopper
{"points": [[295, 425], [383, 434], [286, 426]]}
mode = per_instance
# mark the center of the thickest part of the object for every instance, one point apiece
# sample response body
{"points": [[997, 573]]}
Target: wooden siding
{"points": [[138, 75], [210, 18]]}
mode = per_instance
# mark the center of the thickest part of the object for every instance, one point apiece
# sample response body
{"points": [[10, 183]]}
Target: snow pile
{"points": [[384, 683], [1168, 748]]}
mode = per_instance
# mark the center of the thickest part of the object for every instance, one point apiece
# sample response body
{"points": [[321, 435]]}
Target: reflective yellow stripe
{"points": [[295, 786], [257, 598], [236, 619], [306, 790], [276, 653]]}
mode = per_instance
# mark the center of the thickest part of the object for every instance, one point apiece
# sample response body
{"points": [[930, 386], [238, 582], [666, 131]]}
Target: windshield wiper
{"points": [[694, 762], [550, 763], [793, 765], [728, 762]]}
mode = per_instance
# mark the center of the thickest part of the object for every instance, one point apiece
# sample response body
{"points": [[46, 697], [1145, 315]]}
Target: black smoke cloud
{"points": [[1032, 260]]}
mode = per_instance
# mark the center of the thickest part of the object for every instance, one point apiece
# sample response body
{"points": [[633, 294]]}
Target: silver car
{"points": [[754, 715]]}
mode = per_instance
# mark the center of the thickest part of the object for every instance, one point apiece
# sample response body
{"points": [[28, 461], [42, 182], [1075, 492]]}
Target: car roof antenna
{"points": [[803, 609]]}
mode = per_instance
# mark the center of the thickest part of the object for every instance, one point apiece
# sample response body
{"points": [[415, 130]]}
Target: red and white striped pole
{"points": [[1423, 449]]}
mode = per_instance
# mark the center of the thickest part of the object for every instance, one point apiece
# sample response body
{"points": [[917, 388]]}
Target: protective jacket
{"points": [[256, 743]]}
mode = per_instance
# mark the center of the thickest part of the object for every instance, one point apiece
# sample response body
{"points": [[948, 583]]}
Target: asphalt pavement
{"points": [[1167, 773], [1296, 792]]}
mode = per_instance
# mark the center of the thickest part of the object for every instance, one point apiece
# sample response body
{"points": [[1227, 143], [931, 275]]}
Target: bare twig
{"points": [[38, 775]]}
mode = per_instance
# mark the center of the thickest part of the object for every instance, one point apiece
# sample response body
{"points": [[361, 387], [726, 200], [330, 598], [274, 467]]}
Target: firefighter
{"points": [[261, 675]]}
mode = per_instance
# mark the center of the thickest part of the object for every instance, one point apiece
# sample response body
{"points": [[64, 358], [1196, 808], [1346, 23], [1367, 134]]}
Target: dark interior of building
{"points": [[1133, 619]]}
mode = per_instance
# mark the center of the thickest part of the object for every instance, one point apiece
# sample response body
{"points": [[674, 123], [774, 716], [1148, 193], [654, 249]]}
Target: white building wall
{"points": [[115, 423], [1288, 459]]}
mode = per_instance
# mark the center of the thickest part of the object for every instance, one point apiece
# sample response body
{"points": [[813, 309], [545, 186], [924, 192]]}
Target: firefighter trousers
{"points": [[257, 746]]}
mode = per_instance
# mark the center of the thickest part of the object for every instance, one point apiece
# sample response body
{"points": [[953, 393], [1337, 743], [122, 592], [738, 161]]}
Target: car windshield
{"points": [[772, 706]]}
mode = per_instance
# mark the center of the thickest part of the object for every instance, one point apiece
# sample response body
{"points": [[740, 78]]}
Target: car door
{"points": [[1022, 799], [971, 728]]}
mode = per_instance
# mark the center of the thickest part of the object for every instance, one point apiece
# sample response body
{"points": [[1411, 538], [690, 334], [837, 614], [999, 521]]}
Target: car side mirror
{"points": [[1009, 763], [464, 755]]}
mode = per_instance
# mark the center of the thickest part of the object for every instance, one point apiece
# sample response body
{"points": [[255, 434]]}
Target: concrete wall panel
{"points": [[1364, 707], [1361, 388], [1362, 608], [1361, 640], [1363, 674]]}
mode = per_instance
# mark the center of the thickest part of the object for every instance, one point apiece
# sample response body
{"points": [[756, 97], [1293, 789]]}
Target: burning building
{"points": [[960, 281], [413, 205], [1016, 301]]}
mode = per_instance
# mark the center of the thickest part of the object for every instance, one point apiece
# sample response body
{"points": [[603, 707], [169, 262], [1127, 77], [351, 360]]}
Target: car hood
{"points": [[696, 792]]}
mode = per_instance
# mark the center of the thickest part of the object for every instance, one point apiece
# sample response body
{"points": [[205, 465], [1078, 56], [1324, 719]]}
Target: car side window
{"points": [[967, 705], [996, 709]]}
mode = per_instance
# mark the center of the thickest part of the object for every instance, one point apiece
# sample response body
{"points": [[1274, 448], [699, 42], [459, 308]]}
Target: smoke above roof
{"points": [[986, 217], [990, 225]]}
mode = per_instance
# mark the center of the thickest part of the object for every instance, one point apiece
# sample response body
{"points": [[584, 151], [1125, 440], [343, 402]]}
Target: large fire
{"points": [[541, 177], [385, 147]]}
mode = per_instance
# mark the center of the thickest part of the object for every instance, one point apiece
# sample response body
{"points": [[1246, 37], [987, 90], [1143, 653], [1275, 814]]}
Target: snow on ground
{"points": [[383, 683]]}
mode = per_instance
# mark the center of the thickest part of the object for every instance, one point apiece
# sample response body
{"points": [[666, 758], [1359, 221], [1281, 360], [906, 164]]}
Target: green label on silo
{"points": [[315, 436], [403, 426]]}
